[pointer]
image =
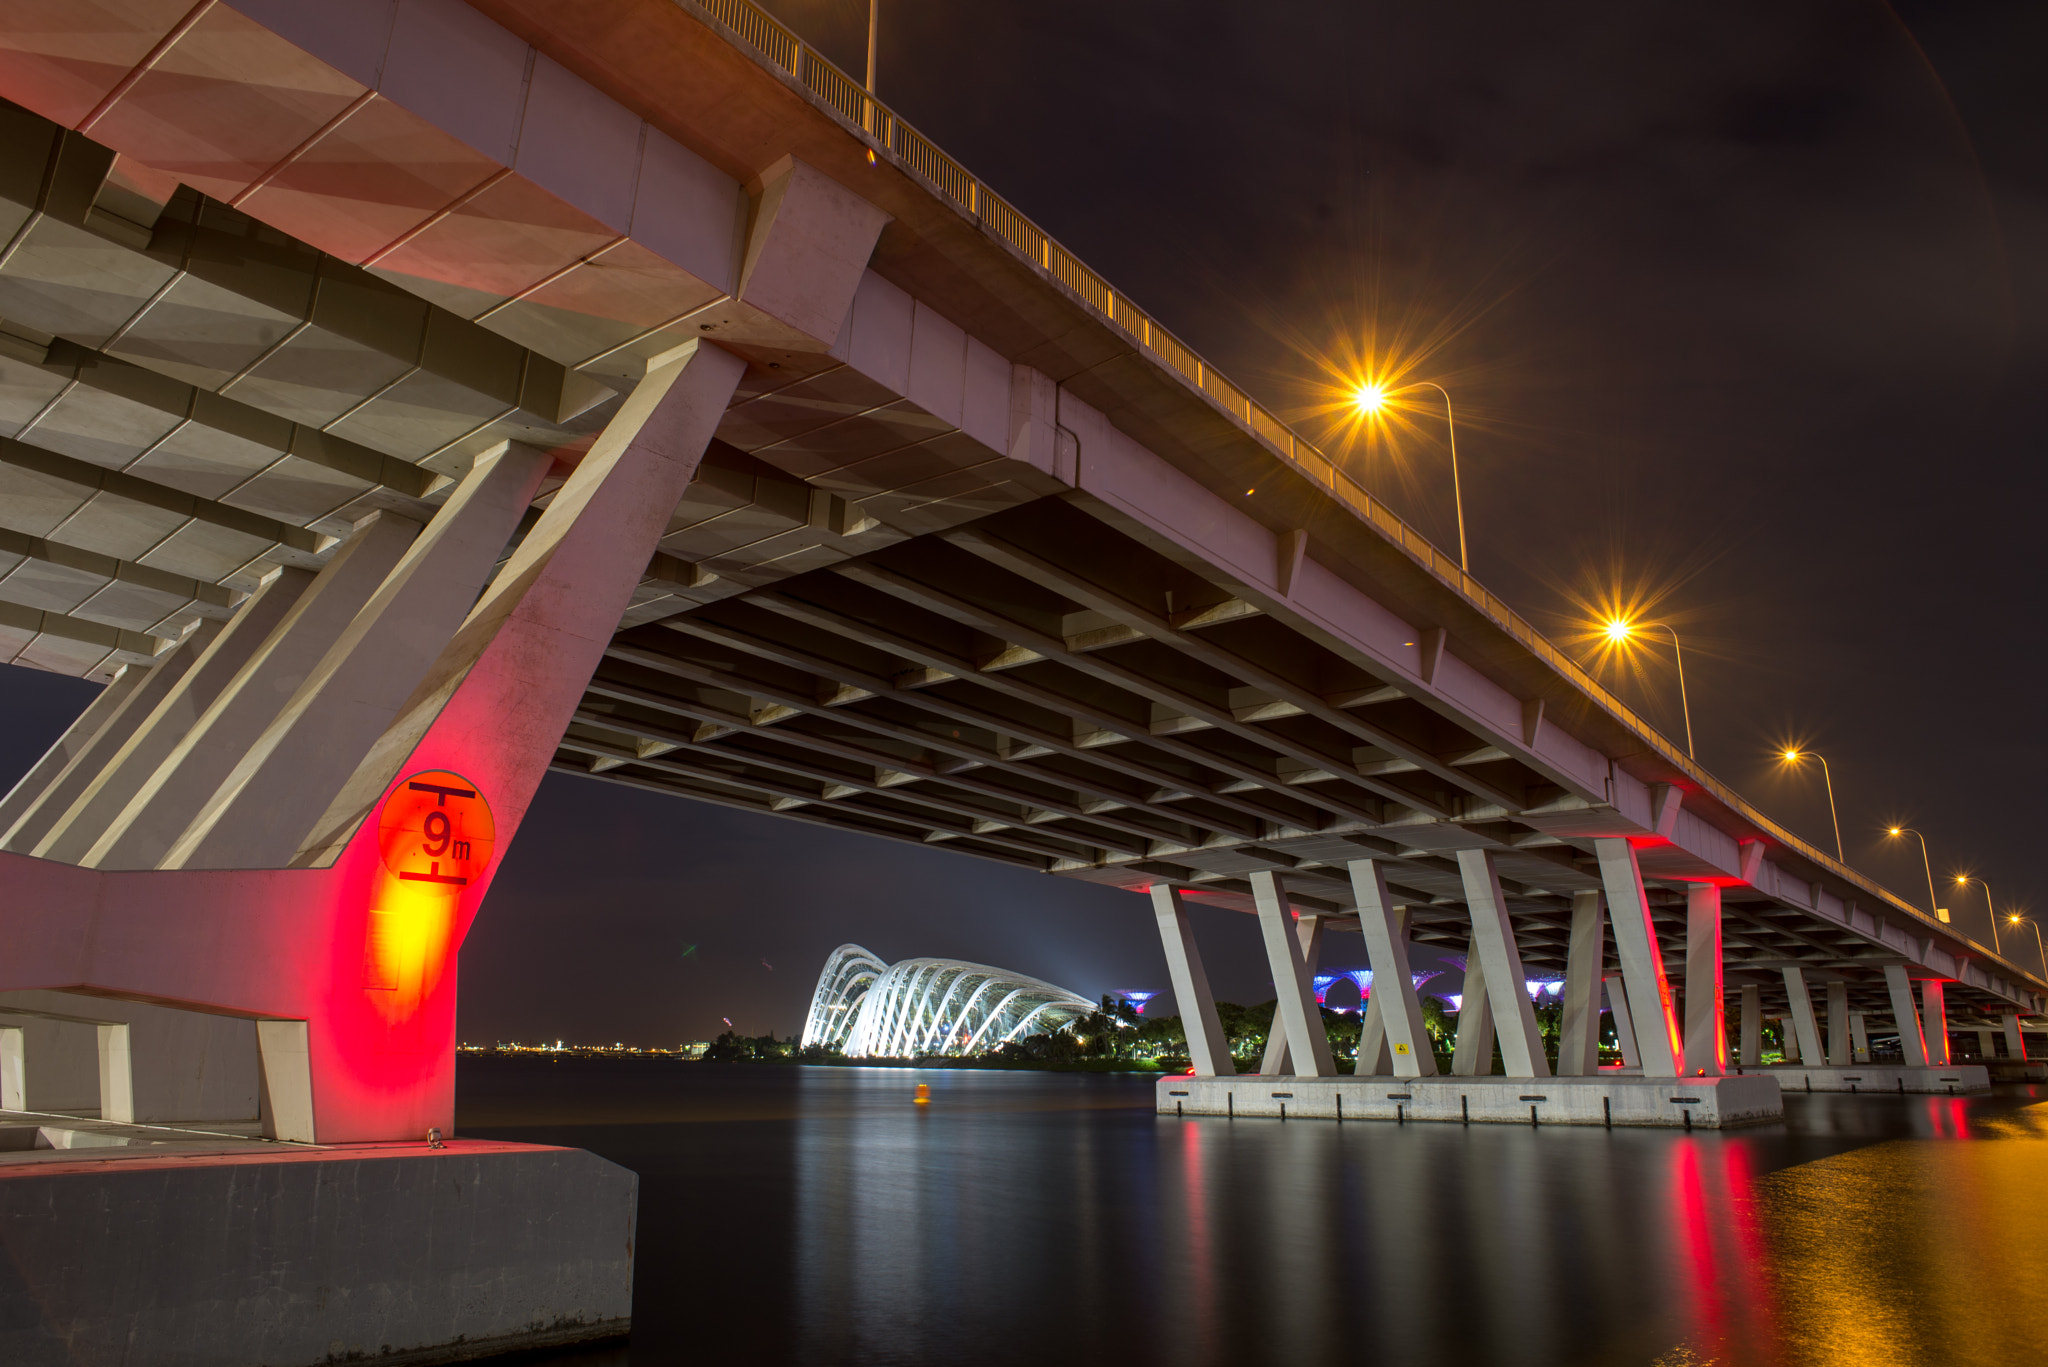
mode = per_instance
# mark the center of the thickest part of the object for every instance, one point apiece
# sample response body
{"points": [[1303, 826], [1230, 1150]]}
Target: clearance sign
{"points": [[436, 837]]}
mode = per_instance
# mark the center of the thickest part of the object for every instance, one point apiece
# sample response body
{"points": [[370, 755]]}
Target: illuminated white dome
{"points": [[866, 1008]]}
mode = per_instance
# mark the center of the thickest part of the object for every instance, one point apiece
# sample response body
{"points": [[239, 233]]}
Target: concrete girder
{"points": [[702, 760], [1093, 720], [177, 593], [663, 663], [1027, 564], [954, 710], [1029, 806], [748, 747], [925, 822], [116, 484], [1106, 670]]}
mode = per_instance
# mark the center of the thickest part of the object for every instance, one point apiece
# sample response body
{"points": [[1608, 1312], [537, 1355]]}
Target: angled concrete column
{"points": [[1472, 1053], [264, 809], [1578, 1035], [1278, 1059], [132, 710], [12, 1050], [117, 1075], [74, 833], [1859, 1037], [1934, 1020], [1624, 1026], [1402, 1033], [1805, 1028], [1295, 994], [75, 738], [287, 1073], [1752, 1026], [1208, 1047], [2015, 1042], [1788, 1041], [158, 812], [1911, 1044], [1987, 1046], [1706, 1021], [1839, 1051], [1521, 1043], [1642, 961], [509, 682]]}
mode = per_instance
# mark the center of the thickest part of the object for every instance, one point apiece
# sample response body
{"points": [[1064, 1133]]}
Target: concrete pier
{"points": [[1674, 1103], [1868, 1077], [288, 1255]]}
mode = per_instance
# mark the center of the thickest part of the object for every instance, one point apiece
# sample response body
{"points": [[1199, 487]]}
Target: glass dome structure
{"points": [[866, 1008]]}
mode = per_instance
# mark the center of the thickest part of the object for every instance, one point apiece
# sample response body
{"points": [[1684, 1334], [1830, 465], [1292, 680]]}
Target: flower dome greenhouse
{"points": [[866, 1008]]}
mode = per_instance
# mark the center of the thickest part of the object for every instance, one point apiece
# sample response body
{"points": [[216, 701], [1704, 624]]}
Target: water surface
{"points": [[816, 1216]]}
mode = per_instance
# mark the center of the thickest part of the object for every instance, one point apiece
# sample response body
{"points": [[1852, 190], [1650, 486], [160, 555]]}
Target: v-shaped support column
{"points": [[1295, 995], [1642, 962], [1493, 935], [1402, 1039]]}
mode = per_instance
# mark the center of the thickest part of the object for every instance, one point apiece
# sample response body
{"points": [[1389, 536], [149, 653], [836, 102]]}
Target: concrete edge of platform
{"points": [[1670, 1103], [1870, 1078], [299, 1257]]}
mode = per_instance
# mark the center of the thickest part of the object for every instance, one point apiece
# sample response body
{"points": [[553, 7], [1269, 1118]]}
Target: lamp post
{"points": [[1963, 880], [1372, 398], [2014, 918], [1620, 630], [1940, 912], [1793, 756]]}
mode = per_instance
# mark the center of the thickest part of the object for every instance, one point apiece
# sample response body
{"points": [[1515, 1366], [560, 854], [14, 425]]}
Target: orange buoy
{"points": [[924, 1094]]}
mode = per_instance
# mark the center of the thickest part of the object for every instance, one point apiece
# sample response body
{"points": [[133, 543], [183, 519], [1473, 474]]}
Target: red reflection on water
{"points": [[1717, 1250], [1201, 1260], [1948, 1117]]}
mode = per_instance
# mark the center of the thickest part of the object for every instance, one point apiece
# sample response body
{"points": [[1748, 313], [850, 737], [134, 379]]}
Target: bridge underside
{"points": [[978, 558]]}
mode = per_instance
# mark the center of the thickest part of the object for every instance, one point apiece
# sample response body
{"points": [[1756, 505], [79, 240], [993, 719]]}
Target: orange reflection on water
{"points": [[1914, 1250]]}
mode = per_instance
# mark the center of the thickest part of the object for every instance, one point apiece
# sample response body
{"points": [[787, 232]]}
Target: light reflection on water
{"points": [[816, 1216]]}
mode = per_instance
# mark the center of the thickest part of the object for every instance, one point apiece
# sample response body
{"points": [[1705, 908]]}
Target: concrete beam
{"points": [[1911, 1041], [1277, 1061], [1296, 998], [270, 801], [157, 810], [1642, 961], [1578, 1036], [1208, 1046], [1493, 934], [1406, 1038], [1706, 1026]]}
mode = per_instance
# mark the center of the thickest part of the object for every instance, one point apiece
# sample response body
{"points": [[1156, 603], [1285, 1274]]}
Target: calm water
{"points": [[815, 1216]]}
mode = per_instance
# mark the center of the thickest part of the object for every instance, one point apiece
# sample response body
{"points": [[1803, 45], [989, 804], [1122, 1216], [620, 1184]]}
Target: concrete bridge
{"points": [[399, 398]]}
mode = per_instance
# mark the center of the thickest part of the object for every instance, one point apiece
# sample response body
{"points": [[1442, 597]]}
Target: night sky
{"points": [[1745, 311]]}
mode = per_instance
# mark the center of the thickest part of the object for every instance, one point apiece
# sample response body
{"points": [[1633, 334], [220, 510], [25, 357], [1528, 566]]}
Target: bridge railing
{"points": [[923, 158]]}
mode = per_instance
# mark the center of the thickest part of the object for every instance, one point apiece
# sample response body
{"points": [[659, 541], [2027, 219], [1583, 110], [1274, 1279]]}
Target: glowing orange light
{"points": [[1792, 756], [1369, 397], [436, 836], [1619, 630]]}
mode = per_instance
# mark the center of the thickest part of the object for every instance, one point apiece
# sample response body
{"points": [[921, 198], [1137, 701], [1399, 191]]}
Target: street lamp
{"points": [[1940, 912], [2015, 919], [1793, 756], [1963, 880], [1620, 631], [1371, 397]]}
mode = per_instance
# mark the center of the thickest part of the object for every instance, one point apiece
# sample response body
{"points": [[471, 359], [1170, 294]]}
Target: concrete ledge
{"points": [[1870, 1077], [2017, 1069], [1676, 1103], [289, 1256]]}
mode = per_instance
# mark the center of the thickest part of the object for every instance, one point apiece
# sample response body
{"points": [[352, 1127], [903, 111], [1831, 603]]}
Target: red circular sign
{"points": [[436, 831]]}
